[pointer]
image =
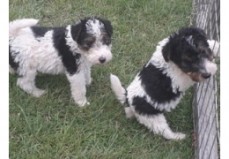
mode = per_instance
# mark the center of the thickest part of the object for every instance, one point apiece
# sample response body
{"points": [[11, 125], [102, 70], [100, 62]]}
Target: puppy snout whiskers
{"points": [[102, 59]]}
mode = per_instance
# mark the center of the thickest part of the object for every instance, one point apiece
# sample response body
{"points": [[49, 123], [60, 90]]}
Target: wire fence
{"points": [[206, 15]]}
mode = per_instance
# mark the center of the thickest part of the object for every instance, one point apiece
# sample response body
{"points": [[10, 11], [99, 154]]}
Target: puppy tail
{"points": [[16, 25], [118, 89]]}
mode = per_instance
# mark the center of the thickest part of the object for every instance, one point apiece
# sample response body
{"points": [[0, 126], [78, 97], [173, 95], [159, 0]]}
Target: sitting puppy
{"points": [[178, 62], [71, 50]]}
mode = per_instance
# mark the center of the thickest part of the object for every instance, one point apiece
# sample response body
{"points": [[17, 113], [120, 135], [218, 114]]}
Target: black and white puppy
{"points": [[71, 50], [179, 61]]}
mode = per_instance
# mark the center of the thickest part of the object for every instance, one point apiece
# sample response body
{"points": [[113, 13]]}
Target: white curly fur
{"points": [[157, 123], [38, 54]]}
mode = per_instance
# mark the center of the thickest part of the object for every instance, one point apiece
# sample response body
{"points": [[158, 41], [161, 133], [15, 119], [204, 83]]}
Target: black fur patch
{"points": [[187, 49], [107, 26], [40, 31], [157, 85], [75, 30], [108, 29], [79, 32], [12, 63], [143, 107], [86, 40], [106, 40], [68, 58]]}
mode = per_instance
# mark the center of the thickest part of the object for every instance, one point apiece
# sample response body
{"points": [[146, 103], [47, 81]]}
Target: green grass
{"points": [[53, 127]]}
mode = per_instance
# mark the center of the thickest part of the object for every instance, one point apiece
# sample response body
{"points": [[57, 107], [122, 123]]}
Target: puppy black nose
{"points": [[206, 75], [102, 59]]}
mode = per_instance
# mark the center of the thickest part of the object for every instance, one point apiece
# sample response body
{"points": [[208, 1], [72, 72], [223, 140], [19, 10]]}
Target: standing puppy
{"points": [[178, 62], [71, 50]]}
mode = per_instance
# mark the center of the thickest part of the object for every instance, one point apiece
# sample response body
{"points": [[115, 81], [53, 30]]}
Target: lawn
{"points": [[53, 127]]}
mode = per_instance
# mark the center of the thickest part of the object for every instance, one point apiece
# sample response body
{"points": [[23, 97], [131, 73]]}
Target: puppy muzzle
{"points": [[209, 69], [100, 56]]}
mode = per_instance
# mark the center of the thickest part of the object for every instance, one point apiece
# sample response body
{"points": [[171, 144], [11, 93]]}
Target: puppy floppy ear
{"points": [[107, 26], [75, 30], [166, 52]]}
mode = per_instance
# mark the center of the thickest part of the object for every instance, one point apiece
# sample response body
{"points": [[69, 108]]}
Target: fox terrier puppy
{"points": [[179, 61], [71, 50]]}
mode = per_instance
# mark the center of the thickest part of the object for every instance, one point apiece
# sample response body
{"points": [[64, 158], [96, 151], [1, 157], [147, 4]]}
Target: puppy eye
{"points": [[88, 43], [106, 40]]}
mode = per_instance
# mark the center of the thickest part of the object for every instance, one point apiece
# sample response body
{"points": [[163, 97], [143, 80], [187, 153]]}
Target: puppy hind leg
{"points": [[159, 125], [27, 83]]}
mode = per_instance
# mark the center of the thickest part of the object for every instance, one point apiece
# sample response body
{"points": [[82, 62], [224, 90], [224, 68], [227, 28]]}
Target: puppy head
{"points": [[93, 36], [189, 50]]}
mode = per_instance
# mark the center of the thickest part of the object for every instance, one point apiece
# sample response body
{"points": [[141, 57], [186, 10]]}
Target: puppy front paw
{"points": [[82, 103], [174, 136], [38, 92], [179, 136], [129, 113]]}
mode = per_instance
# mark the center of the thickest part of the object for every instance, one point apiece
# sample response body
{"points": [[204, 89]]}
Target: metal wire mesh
{"points": [[205, 104]]}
